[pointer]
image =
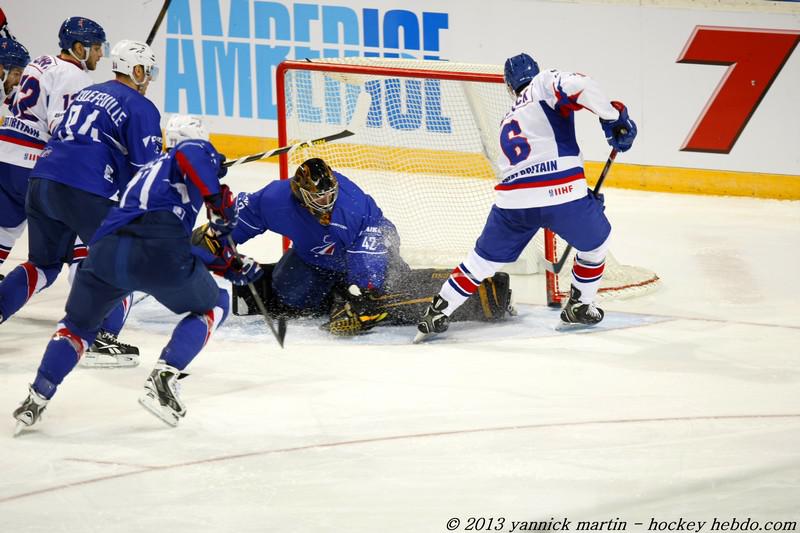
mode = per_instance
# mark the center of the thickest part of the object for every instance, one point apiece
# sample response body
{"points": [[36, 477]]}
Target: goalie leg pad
{"points": [[491, 301]]}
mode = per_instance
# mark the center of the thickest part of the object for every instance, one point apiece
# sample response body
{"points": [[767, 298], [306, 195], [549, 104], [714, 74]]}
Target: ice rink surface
{"points": [[684, 404]]}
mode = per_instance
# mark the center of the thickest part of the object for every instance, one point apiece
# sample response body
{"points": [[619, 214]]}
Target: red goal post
{"points": [[425, 152]]}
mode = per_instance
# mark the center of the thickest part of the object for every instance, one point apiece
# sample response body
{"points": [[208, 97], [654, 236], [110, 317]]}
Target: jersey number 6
{"points": [[514, 145]]}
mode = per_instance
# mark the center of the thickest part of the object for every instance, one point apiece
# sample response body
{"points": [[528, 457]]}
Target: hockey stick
{"points": [[357, 120], [284, 149], [280, 332], [157, 24], [556, 267]]}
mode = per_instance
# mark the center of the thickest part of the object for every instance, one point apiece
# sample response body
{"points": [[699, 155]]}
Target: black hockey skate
{"points": [[108, 352], [161, 394], [577, 313], [30, 411], [434, 321]]}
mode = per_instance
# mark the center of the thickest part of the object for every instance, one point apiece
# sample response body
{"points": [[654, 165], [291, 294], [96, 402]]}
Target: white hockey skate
{"points": [[579, 315], [161, 394], [434, 321], [30, 411], [108, 352]]}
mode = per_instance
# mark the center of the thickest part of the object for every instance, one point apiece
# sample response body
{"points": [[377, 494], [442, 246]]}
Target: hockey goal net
{"points": [[426, 152]]}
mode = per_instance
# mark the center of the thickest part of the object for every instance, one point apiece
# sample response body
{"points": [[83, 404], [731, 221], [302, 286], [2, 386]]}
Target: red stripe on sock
{"points": [[208, 316], [463, 280], [33, 278], [75, 341], [583, 271]]}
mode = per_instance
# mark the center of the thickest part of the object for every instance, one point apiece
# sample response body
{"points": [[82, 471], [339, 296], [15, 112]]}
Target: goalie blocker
{"points": [[492, 301]]}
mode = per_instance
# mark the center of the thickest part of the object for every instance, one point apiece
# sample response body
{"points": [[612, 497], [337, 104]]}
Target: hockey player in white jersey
{"points": [[44, 92], [542, 185], [13, 59]]}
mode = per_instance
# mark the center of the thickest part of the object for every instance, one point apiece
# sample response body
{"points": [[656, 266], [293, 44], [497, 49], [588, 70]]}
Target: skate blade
{"points": [[162, 413], [20, 427], [573, 326], [99, 360], [422, 337]]}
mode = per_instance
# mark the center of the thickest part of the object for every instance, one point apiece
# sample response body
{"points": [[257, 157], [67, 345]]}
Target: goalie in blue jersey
{"points": [[344, 261]]}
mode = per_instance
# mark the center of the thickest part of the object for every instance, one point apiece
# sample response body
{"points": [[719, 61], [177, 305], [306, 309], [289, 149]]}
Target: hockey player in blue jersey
{"points": [[344, 261], [109, 131], [543, 185], [144, 245]]}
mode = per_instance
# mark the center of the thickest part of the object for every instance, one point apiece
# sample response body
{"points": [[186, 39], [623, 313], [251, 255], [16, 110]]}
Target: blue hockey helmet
{"points": [[81, 30], [13, 54], [519, 71]]}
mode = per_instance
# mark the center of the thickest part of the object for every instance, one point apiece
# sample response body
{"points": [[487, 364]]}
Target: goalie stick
{"points": [[556, 267], [280, 332], [284, 149], [357, 120]]}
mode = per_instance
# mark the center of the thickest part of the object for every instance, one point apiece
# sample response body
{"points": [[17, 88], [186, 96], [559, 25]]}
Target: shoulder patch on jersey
{"points": [[151, 139]]}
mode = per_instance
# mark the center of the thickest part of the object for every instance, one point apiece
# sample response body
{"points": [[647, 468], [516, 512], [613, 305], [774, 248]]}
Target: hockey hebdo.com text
{"points": [[715, 524]]}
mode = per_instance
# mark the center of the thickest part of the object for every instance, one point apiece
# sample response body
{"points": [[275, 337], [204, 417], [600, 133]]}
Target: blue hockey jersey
{"points": [[176, 182], [108, 133], [357, 242]]}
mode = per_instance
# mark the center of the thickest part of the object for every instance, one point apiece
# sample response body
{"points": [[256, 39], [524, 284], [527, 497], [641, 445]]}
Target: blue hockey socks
{"points": [[193, 332], [23, 282], [60, 357]]}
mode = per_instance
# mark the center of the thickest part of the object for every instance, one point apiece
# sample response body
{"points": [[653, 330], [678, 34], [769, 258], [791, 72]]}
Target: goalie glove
{"points": [[222, 260], [222, 211], [361, 312]]}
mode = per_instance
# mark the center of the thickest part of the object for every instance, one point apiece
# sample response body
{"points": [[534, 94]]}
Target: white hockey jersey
{"points": [[46, 87], [541, 163]]}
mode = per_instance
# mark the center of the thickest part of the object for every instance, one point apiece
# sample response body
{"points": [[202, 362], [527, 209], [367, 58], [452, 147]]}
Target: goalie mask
{"points": [[316, 188]]}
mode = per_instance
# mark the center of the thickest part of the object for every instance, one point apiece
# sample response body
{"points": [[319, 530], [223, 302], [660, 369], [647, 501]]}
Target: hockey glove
{"points": [[222, 211], [361, 312], [243, 270], [222, 260], [620, 133], [599, 197]]}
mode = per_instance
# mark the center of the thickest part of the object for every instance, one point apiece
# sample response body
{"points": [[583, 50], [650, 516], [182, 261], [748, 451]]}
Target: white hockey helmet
{"points": [[126, 54], [183, 127]]}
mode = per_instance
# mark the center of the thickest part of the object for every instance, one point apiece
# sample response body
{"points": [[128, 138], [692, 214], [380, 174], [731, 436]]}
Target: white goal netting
{"points": [[424, 149]]}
